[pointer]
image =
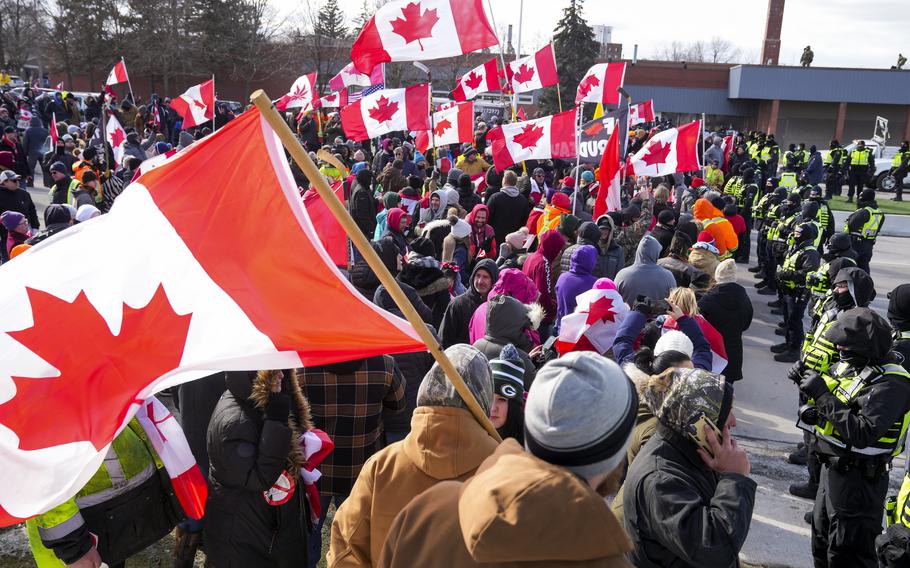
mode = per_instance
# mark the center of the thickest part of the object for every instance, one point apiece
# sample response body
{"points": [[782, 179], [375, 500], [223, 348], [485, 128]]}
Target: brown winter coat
{"points": [[444, 443], [517, 511]]}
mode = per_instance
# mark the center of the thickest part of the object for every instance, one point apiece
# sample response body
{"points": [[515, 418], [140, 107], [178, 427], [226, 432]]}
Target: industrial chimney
{"points": [[770, 52]]}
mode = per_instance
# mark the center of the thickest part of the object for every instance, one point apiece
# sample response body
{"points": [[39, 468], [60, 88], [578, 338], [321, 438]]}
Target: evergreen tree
{"points": [[361, 19], [330, 21], [576, 51]]}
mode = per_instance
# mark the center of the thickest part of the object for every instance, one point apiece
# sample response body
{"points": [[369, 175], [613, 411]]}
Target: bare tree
{"points": [[674, 51], [22, 27], [720, 50]]}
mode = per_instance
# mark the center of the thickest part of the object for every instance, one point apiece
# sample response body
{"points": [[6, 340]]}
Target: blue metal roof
{"points": [[687, 100], [821, 84]]}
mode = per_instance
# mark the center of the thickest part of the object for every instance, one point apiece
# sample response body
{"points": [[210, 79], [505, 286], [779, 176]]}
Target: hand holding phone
{"points": [[723, 455]]}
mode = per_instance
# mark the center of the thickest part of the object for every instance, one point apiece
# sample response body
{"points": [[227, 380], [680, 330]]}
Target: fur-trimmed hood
{"points": [[508, 318]]}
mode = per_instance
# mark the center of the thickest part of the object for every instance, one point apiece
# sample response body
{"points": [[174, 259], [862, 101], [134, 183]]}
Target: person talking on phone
{"points": [[688, 498]]}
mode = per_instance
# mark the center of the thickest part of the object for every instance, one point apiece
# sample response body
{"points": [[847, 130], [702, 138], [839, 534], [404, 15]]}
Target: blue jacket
{"points": [[630, 328], [815, 169]]}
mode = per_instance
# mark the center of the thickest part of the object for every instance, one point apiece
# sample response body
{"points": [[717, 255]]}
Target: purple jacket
{"points": [[577, 280]]}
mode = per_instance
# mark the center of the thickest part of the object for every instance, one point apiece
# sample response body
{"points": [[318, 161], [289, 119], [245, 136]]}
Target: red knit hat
{"points": [[560, 200], [697, 182], [705, 237], [568, 181]]}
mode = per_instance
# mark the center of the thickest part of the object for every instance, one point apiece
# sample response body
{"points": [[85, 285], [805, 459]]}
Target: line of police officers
{"points": [[854, 392]]}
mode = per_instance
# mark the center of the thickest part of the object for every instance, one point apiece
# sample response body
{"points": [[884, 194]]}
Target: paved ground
{"points": [[766, 405]]}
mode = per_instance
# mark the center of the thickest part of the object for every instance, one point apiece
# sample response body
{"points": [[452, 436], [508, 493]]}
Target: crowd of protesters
{"points": [[613, 455]]}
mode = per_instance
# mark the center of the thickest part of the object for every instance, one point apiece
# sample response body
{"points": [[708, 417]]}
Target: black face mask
{"points": [[844, 300], [853, 359], [828, 256]]}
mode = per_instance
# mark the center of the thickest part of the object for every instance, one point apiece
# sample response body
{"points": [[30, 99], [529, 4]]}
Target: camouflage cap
{"points": [[683, 397], [472, 365]]}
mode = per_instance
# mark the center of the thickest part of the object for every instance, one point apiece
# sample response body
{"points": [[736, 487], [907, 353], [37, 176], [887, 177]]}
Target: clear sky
{"points": [[842, 33]]}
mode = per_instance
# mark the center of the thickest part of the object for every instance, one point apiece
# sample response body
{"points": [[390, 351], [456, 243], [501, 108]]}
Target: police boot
{"points": [[185, 548], [777, 312], [805, 490], [898, 198], [780, 347], [781, 331], [808, 517], [775, 303], [768, 290], [799, 456], [755, 269], [791, 355]]}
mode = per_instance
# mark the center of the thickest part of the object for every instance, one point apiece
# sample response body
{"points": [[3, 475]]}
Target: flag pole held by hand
{"points": [[290, 142]]}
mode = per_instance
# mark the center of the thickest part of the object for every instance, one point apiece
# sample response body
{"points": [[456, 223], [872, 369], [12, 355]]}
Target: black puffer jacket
{"points": [[728, 309], [248, 453]]}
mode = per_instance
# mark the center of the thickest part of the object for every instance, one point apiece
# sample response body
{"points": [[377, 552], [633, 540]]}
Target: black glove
{"points": [[813, 385], [785, 275], [278, 407], [795, 373]]}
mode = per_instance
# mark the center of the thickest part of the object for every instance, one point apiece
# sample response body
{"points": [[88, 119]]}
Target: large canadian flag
{"points": [[667, 152], [201, 284], [608, 195], [418, 30], [450, 126], [641, 113], [481, 79], [302, 94], [117, 74], [600, 83], [386, 111], [539, 139], [197, 104], [533, 72], [594, 323], [350, 76], [116, 137]]}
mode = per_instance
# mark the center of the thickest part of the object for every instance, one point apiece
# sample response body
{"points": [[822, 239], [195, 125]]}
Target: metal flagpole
{"points": [[580, 113], [705, 171], [214, 104], [318, 182], [502, 57], [521, 12], [128, 82]]}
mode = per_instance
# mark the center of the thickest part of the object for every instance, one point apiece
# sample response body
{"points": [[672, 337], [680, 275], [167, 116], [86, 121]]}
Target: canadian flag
{"points": [[333, 100], [196, 105], [54, 135], [386, 111], [594, 323], [481, 79], [533, 72], [350, 76], [451, 126], [79, 355], [418, 30], [543, 138], [116, 137], [608, 195], [719, 357], [301, 95], [331, 234], [117, 74], [667, 152], [600, 83], [728, 149], [641, 113], [59, 86]]}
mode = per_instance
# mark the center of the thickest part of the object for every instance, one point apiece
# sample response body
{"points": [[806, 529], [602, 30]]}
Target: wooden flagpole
{"points": [[297, 152]]}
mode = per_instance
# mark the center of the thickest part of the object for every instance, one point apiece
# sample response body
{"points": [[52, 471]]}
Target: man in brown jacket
{"points": [[537, 508], [445, 443]]}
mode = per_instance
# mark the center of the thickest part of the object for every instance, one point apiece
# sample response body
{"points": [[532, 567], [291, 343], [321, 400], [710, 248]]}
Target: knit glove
{"points": [[278, 407], [813, 385], [795, 373]]}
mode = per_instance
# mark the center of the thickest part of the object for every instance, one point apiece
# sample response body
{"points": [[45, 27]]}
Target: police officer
{"points": [[854, 288], [838, 253], [825, 218], [775, 242], [802, 258], [864, 225], [900, 165], [899, 316], [768, 199], [861, 165], [803, 155], [834, 168], [791, 159], [859, 414], [745, 195], [769, 156]]}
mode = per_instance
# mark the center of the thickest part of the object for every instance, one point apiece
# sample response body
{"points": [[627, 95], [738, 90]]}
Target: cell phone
{"points": [[700, 438]]}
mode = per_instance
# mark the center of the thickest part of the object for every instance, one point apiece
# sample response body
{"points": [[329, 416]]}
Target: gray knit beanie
{"points": [[580, 414], [472, 365]]}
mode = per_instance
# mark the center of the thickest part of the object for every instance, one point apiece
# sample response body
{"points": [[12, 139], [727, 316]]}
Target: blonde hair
{"points": [[662, 194], [685, 299]]}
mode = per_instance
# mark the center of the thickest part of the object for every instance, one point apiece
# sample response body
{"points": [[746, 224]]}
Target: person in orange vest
{"points": [[711, 217], [552, 213]]}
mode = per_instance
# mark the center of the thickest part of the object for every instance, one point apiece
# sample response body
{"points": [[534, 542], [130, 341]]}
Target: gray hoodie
{"points": [[645, 277]]}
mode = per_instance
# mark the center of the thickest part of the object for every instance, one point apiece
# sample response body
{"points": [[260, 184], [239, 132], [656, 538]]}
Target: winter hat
{"points": [[472, 365], [674, 340], [604, 284], [706, 242], [557, 428], [587, 176], [395, 218], [359, 156], [460, 227], [18, 249], [730, 210], [690, 394], [725, 272], [718, 202], [423, 247], [517, 239], [162, 148], [508, 373], [697, 182], [11, 219], [452, 178], [866, 196], [391, 200], [86, 212], [666, 217], [568, 182], [59, 167], [560, 200], [72, 130], [705, 237]]}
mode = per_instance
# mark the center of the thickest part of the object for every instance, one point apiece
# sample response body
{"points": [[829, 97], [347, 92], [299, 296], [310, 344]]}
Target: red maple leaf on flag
{"points": [[414, 25], [384, 110], [199, 103], [442, 126], [587, 84], [117, 137], [100, 372], [594, 128], [656, 154], [524, 74], [473, 81], [601, 309], [299, 93], [529, 136]]}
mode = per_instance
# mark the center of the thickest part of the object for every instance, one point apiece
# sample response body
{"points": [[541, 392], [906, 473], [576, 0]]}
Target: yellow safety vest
{"points": [[899, 509], [818, 353], [845, 388], [790, 264], [860, 158], [899, 158], [788, 179], [872, 227]]}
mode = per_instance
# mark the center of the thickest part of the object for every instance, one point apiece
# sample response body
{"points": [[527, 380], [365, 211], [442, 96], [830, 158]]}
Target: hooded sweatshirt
{"points": [[542, 269], [645, 277], [508, 212], [429, 214], [507, 320], [483, 240], [512, 282], [715, 223], [609, 255], [577, 280], [514, 512], [458, 317]]}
